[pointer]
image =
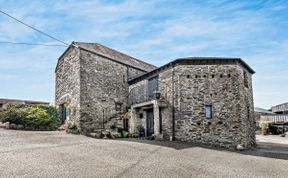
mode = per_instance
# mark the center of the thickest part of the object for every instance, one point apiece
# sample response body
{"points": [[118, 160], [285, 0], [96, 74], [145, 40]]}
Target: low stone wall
{"points": [[7, 125]]}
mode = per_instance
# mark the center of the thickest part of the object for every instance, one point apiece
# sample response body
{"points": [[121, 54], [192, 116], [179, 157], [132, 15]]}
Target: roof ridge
{"points": [[208, 57], [118, 52]]}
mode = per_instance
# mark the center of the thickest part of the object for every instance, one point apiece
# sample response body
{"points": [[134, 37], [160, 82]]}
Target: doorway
{"points": [[65, 113], [150, 123]]}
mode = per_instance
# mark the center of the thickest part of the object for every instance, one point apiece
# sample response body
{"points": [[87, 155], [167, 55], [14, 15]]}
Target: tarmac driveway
{"points": [[57, 154]]}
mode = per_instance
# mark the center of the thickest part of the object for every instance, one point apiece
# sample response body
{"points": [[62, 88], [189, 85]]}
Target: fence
{"points": [[275, 118]]}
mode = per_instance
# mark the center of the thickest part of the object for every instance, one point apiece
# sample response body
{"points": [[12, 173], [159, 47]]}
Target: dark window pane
{"points": [[208, 111], [152, 87]]}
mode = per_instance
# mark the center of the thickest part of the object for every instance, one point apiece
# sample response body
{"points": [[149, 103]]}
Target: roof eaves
{"points": [[191, 61]]}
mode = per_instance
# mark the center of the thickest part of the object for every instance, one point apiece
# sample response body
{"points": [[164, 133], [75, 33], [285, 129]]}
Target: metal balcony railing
{"points": [[275, 118]]}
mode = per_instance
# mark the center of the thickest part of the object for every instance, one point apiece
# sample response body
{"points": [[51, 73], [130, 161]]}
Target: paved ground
{"points": [[272, 139], [56, 154]]}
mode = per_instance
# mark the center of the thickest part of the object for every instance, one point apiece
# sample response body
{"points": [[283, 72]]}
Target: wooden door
{"points": [[150, 123]]}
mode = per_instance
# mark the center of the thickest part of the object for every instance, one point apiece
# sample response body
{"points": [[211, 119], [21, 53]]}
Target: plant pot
{"points": [[264, 131]]}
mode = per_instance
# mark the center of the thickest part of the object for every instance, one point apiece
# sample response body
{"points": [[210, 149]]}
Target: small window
{"points": [[248, 112], [196, 76], [118, 106], [245, 79], [204, 76], [208, 111], [124, 78], [68, 113], [221, 76], [188, 76], [140, 115], [229, 75], [212, 76]]}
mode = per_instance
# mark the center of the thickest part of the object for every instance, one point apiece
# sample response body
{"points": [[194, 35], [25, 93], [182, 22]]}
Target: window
{"points": [[245, 79], [153, 87], [248, 112], [65, 112], [118, 106], [124, 78], [208, 111]]}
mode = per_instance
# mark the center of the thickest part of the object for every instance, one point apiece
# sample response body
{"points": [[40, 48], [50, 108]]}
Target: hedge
{"points": [[42, 117]]}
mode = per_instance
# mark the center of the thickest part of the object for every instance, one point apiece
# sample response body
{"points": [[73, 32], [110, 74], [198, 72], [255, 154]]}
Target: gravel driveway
{"points": [[57, 154]]}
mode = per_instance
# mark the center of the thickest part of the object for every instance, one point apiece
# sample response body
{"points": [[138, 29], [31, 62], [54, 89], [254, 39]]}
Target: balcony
{"points": [[275, 118], [136, 97]]}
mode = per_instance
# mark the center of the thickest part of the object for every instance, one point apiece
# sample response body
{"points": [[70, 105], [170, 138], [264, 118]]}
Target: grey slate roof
{"points": [[195, 61], [116, 55], [261, 110]]}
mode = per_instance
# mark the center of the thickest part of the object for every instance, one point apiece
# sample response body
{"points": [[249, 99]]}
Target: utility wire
{"points": [[30, 44], [39, 31]]}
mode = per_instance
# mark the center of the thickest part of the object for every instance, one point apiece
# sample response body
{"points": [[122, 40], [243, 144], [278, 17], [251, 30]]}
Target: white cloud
{"points": [[154, 30]]}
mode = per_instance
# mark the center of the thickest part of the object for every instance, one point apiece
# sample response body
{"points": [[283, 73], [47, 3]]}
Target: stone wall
{"points": [[68, 82], [138, 94], [194, 86], [222, 87], [103, 84], [166, 90]]}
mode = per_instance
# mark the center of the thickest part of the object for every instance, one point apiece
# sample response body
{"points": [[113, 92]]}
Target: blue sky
{"points": [[154, 31]]}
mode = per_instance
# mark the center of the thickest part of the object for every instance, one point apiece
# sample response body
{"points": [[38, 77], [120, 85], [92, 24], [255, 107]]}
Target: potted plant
{"points": [[73, 129], [263, 124]]}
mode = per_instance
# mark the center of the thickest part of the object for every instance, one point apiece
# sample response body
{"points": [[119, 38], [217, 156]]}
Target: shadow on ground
{"points": [[263, 149]]}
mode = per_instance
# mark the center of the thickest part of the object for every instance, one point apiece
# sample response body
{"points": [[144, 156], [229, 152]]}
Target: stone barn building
{"points": [[92, 83], [199, 99]]}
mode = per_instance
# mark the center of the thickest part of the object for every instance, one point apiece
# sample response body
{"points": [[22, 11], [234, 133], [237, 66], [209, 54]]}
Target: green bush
{"points": [[41, 117], [125, 134], [37, 119], [115, 134], [13, 115], [54, 115]]}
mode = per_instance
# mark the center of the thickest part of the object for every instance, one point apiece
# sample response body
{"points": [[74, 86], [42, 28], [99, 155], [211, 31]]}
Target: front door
{"points": [[150, 123]]}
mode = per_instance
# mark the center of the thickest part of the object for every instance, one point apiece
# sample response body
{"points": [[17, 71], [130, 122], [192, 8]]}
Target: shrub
{"points": [[115, 134], [33, 117], [53, 113], [37, 119], [13, 115], [72, 128], [125, 134], [264, 124]]}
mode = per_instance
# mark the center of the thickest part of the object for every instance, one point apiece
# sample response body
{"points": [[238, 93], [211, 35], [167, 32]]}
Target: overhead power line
{"points": [[39, 31], [30, 44]]}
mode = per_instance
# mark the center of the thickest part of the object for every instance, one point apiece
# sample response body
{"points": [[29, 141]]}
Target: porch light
{"points": [[158, 95]]}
